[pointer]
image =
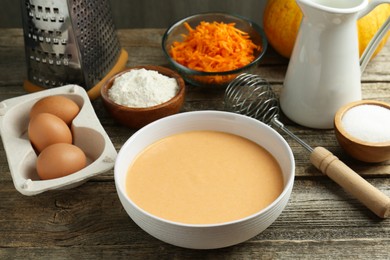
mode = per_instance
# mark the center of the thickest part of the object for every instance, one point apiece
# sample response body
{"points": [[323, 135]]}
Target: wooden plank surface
{"points": [[87, 222]]}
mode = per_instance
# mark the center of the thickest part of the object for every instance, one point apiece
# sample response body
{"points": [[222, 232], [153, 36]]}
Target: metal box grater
{"points": [[69, 42]]}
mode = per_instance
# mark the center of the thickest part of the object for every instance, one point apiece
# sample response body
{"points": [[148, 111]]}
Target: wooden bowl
{"points": [[134, 117], [365, 151]]}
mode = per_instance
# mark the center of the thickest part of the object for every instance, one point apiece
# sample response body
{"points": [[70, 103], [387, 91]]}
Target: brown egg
{"points": [[61, 106], [45, 129], [59, 160]]}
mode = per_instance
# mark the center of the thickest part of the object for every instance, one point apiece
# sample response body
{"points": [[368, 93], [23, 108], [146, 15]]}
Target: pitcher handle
{"points": [[371, 5], [373, 44]]}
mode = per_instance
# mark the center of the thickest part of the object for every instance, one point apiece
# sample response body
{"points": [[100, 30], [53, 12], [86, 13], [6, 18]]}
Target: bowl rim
{"points": [[221, 114], [185, 69], [339, 125], [160, 69]]}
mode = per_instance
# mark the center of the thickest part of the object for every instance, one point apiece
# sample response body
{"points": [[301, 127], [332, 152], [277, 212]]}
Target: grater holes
{"points": [[44, 13], [44, 79], [47, 36], [98, 43], [51, 65], [51, 58]]}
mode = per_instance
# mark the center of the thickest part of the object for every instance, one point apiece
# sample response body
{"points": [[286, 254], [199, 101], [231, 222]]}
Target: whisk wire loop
{"points": [[253, 96]]}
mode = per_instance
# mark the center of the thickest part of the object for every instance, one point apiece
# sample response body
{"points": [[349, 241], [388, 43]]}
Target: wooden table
{"points": [[320, 221]]}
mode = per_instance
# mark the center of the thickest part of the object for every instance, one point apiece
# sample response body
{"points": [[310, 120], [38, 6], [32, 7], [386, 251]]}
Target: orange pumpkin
{"points": [[282, 18]]}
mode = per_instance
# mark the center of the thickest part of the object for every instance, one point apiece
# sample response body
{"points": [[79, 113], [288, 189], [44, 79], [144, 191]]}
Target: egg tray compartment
{"points": [[88, 134]]}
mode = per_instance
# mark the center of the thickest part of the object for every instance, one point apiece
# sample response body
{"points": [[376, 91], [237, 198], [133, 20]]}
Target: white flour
{"points": [[142, 88]]}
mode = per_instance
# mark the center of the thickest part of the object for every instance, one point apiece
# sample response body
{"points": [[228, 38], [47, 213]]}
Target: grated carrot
{"points": [[214, 47]]}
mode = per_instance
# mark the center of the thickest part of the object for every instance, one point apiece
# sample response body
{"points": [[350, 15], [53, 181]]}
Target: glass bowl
{"points": [[212, 79]]}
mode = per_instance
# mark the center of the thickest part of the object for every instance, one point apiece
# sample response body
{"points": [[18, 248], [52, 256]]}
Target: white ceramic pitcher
{"points": [[324, 71]]}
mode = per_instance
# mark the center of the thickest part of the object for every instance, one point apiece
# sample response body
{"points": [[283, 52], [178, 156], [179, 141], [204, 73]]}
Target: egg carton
{"points": [[88, 134]]}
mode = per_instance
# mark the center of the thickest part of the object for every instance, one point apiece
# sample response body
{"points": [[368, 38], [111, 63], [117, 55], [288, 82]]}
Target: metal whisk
{"points": [[253, 96]]}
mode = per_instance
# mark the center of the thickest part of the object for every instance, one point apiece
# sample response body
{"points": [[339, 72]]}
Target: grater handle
{"points": [[352, 182]]}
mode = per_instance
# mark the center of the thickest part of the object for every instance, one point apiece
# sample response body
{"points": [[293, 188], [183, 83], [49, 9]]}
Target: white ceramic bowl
{"points": [[88, 134], [206, 236]]}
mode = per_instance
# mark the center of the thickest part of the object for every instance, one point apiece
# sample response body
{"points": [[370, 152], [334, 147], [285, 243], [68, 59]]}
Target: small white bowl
{"points": [[206, 236], [88, 134]]}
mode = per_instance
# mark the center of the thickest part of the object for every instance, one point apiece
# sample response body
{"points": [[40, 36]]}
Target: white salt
{"points": [[370, 123]]}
